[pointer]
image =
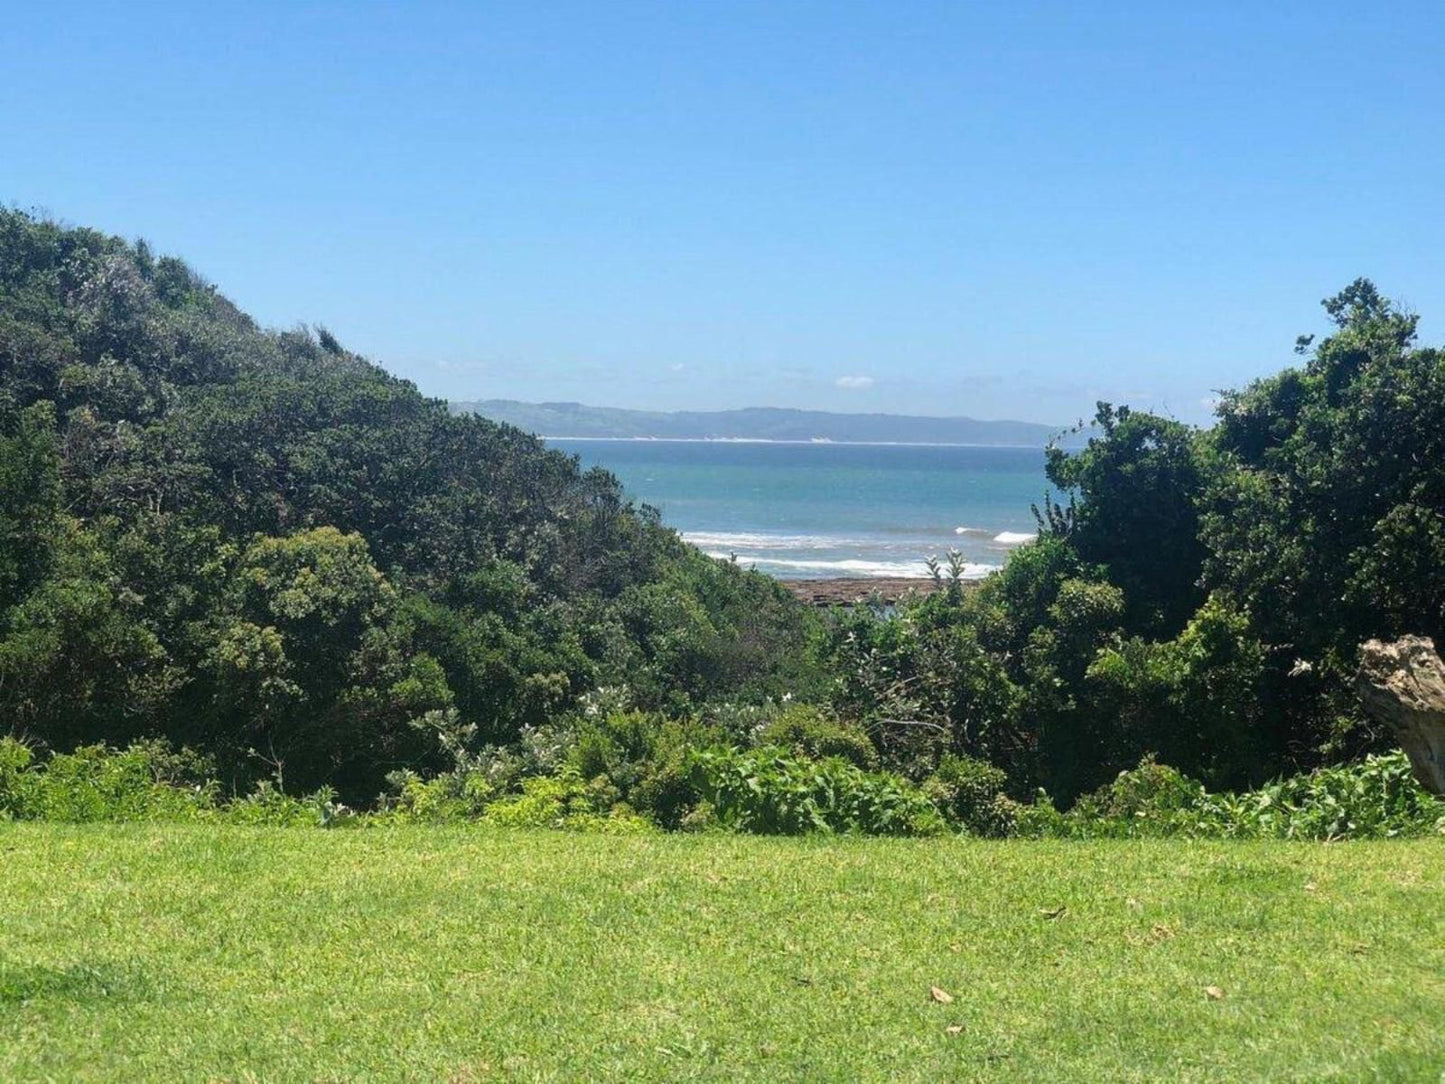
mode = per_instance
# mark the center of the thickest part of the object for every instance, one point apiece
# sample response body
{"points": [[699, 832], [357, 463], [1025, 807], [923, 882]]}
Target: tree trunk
{"points": [[1402, 685]]}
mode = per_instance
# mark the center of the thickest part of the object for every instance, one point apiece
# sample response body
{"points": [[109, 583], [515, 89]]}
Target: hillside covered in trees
{"points": [[263, 548]]}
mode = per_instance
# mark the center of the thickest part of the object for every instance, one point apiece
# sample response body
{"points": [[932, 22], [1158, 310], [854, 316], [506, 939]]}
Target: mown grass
{"points": [[202, 952]]}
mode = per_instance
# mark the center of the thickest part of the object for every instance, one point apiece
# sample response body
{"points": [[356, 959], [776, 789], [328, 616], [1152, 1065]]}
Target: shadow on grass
{"points": [[81, 983]]}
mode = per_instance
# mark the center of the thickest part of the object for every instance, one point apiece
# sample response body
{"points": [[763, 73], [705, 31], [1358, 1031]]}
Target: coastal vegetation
{"points": [[256, 573], [344, 736]]}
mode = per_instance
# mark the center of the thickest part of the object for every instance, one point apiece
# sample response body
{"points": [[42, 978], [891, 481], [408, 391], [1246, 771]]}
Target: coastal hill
{"points": [[754, 423]]}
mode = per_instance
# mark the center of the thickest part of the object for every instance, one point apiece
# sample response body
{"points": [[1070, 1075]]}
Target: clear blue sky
{"points": [[1003, 210]]}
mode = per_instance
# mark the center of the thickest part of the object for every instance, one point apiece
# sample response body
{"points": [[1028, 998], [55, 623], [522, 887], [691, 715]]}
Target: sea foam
{"points": [[759, 540], [906, 570]]}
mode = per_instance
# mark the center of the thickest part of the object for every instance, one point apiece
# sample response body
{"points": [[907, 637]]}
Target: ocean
{"points": [[820, 510]]}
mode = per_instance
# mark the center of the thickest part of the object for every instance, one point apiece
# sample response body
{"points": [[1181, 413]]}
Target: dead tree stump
{"points": [[1402, 684]]}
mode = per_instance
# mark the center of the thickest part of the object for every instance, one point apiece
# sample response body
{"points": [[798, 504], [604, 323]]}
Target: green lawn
{"points": [[217, 953]]}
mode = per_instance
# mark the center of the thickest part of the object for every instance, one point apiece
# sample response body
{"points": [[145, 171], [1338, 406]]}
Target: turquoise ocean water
{"points": [[807, 511]]}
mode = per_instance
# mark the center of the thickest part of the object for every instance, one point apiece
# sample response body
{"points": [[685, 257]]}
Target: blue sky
{"points": [[1002, 210]]}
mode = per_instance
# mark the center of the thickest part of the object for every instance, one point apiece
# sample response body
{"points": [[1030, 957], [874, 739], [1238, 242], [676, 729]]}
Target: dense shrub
{"points": [[810, 732], [766, 790], [1379, 797], [270, 807], [451, 796], [565, 801], [145, 782], [644, 758], [253, 540], [1151, 792], [1376, 798], [15, 759], [771, 792], [970, 793]]}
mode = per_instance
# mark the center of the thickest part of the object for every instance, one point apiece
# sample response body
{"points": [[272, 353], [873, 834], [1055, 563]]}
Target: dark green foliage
{"points": [[1328, 525], [994, 672], [29, 497], [810, 732], [971, 795], [261, 545], [1193, 700], [645, 759], [1136, 486], [1203, 594], [923, 680]]}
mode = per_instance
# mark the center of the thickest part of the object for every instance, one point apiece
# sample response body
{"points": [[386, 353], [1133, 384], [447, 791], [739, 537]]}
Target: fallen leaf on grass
{"points": [[1214, 993], [943, 997], [1052, 913], [1309, 886], [954, 1029]]}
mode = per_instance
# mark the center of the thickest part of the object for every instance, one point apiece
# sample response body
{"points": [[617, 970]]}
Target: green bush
{"points": [[644, 757], [808, 732], [565, 801], [269, 807], [970, 792], [15, 758], [1153, 798], [1376, 798], [148, 781], [451, 796], [771, 792]]}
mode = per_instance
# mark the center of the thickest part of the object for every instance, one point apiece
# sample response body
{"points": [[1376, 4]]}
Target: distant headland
{"points": [[576, 420]]}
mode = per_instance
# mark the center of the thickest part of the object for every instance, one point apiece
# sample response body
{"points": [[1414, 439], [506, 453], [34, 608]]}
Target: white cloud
{"points": [[857, 383], [677, 367]]}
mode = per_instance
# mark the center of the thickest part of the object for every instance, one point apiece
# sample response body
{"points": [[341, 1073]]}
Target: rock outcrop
{"points": [[1402, 684]]}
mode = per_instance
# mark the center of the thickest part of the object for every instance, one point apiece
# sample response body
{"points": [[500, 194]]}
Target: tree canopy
{"points": [[258, 544], [261, 544]]}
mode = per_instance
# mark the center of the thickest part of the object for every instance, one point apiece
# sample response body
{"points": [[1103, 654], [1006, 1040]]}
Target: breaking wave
{"points": [[757, 540], [851, 566]]}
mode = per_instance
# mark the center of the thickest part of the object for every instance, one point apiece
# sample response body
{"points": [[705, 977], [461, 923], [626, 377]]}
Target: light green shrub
{"points": [[1376, 798], [771, 792], [644, 757], [809, 732], [269, 807], [451, 796], [148, 781], [564, 801]]}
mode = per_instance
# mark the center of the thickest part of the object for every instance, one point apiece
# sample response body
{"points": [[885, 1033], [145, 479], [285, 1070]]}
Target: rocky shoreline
{"points": [[853, 590]]}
